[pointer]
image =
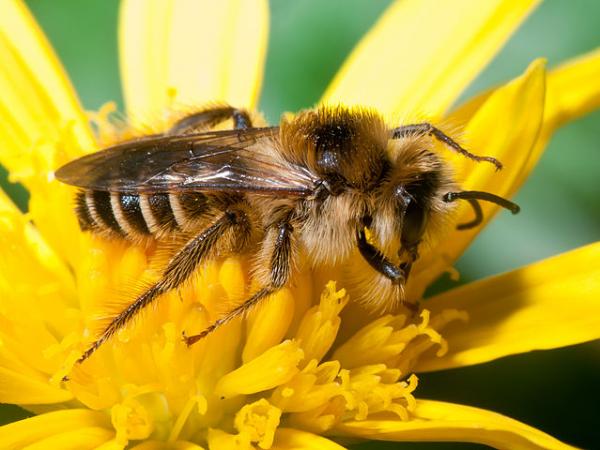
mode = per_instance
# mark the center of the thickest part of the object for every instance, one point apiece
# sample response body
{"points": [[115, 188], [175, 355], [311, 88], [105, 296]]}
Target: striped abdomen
{"points": [[138, 215]]}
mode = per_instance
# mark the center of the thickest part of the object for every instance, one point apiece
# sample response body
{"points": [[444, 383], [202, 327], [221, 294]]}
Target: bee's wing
{"points": [[230, 160]]}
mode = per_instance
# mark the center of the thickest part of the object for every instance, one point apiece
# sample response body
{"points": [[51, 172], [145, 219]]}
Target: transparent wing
{"points": [[230, 160]]}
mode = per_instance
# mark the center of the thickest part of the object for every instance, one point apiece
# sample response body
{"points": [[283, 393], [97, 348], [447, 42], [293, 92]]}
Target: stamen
{"points": [[257, 422], [183, 416]]}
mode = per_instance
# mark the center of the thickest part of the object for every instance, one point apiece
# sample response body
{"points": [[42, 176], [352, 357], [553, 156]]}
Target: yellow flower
{"points": [[302, 371]]}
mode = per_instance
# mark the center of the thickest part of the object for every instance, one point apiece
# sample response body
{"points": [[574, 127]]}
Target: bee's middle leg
{"points": [[278, 250]]}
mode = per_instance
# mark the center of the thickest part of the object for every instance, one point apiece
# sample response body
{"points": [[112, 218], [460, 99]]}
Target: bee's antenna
{"points": [[472, 197]]}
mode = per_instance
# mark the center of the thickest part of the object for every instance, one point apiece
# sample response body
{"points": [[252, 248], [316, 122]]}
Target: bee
{"points": [[326, 183]]}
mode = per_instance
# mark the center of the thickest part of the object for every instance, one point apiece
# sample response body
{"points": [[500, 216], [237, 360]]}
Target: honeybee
{"points": [[325, 183]]}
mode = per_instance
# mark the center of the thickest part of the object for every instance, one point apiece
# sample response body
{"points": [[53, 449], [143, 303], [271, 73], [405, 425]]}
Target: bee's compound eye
{"points": [[413, 225]]}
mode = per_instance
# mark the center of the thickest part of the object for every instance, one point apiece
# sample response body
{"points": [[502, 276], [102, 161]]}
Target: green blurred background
{"points": [[555, 391]]}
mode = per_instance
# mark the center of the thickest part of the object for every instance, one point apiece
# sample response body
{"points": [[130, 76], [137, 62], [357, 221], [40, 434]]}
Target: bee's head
{"points": [[409, 200]]}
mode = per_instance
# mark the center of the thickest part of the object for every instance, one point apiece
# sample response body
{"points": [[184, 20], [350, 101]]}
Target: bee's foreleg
{"points": [[210, 117], [230, 232], [398, 275], [278, 251], [378, 261], [425, 128]]}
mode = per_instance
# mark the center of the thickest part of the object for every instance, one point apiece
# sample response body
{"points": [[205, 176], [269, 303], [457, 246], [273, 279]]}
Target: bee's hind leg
{"points": [[208, 118], [279, 242], [229, 233]]}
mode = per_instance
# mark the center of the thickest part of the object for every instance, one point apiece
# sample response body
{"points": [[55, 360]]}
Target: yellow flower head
{"points": [[307, 369]]}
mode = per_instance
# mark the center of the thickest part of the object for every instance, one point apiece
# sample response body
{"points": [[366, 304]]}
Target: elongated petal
{"points": [[274, 367], [507, 127], [546, 305], [439, 421], [113, 444], [30, 313], [26, 389], [572, 90], [79, 439], [269, 324], [291, 439], [24, 252], [191, 52], [28, 431], [162, 445], [38, 104], [42, 124], [433, 50]]}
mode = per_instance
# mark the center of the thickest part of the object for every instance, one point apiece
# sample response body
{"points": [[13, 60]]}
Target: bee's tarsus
{"points": [[238, 311], [280, 268], [190, 340]]}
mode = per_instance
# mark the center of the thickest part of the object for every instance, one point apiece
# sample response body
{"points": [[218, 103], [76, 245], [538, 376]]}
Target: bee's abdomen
{"points": [[137, 215]]}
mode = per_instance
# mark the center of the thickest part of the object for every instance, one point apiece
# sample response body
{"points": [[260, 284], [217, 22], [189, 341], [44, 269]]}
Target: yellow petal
{"points": [[274, 367], [268, 324], [162, 445], [291, 439], [190, 53], [550, 304], [32, 315], [23, 254], [113, 444], [572, 90], [313, 387], [28, 431], [38, 103], [422, 54], [506, 127], [320, 324], [79, 439], [23, 389], [439, 421], [42, 124]]}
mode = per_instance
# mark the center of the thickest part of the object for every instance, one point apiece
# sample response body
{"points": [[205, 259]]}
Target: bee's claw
{"points": [[189, 340], [414, 308]]}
